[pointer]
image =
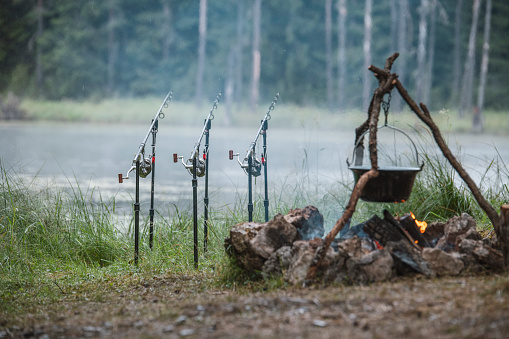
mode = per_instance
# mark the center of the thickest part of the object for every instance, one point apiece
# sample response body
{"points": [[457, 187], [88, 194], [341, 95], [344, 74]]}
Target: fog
{"points": [[90, 157]]}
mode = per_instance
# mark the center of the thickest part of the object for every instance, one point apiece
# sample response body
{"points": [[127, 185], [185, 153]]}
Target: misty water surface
{"points": [[92, 156]]}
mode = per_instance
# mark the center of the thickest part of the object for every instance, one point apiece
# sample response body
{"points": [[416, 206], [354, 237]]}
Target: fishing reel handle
{"points": [[231, 155], [176, 159]]}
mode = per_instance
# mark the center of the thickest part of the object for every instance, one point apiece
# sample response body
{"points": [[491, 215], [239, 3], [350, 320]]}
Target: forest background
{"points": [[454, 55]]}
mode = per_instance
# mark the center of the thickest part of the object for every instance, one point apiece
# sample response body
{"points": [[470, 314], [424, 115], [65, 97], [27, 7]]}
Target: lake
{"points": [[92, 156]]}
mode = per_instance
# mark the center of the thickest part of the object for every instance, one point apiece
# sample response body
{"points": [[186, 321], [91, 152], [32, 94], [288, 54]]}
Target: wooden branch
{"points": [[502, 231], [338, 226], [386, 82], [424, 114]]}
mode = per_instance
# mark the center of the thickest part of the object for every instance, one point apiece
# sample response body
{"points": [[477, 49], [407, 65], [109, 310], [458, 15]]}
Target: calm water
{"points": [[92, 156]]}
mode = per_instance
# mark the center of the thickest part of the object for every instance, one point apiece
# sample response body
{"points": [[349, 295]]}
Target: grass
{"points": [[52, 240], [133, 110]]}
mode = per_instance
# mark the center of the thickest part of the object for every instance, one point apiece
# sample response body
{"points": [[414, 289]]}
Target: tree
{"points": [[478, 116], [38, 58], [112, 45], [421, 50], [468, 74], [166, 30], [255, 77], [456, 76], [328, 54], [367, 54], [239, 52], [202, 29], [342, 13]]}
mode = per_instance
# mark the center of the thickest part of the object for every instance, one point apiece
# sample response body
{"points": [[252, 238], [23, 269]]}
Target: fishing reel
{"points": [[200, 165], [145, 167], [256, 165]]}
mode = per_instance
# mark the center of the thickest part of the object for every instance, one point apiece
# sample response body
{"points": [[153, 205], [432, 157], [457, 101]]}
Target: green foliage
{"points": [[97, 49]]}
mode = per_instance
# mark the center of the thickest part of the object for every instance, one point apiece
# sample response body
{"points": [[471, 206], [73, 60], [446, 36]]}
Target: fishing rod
{"points": [[198, 168], [143, 166], [252, 166]]}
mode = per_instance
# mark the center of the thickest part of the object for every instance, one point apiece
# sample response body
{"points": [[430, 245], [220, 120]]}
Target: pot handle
{"points": [[393, 128]]}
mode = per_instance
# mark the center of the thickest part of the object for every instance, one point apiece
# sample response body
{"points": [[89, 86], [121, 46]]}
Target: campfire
{"points": [[294, 246], [375, 250]]}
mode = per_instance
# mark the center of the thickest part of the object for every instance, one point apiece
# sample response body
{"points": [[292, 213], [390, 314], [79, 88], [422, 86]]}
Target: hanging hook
{"points": [[386, 105]]}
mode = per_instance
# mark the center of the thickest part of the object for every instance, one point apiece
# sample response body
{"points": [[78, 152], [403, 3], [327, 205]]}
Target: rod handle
{"points": [[120, 179], [175, 157], [230, 154]]}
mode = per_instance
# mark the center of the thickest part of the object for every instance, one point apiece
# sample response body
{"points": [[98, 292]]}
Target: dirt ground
{"points": [[186, 306]]}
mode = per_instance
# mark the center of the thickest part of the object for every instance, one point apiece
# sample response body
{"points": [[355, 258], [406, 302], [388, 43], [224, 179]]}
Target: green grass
{"points": [[53, 240], [137, 110]]}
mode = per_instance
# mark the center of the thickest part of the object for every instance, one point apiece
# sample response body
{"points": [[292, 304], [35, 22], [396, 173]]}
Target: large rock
{"points": [[239, 245], [277, 233], [302, 255], [442, 263], [372, 267], [453, 228], [252, 243], [308, 221]]}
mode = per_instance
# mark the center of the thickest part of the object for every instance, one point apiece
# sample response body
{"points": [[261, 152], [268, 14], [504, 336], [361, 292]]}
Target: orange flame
{"points": [[422, 224]]}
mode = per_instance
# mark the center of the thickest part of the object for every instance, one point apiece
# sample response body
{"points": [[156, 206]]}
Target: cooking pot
{"points": [[395, 182]]}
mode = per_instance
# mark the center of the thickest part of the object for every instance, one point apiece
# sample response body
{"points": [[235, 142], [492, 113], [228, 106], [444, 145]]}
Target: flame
{"points": [[422, 224]]}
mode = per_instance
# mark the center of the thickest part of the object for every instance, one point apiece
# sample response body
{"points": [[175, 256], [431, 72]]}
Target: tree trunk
{"points": [[38, 57], [202, 29], [328, 54], [166, 31], [229, 87], [421, 50], [394, 25], [431, 52], [468, 74], [255, 79], [238, 86], [112, 47], [341, 53], [404, 19], [367, 54], [456, 78], [478, 118]]}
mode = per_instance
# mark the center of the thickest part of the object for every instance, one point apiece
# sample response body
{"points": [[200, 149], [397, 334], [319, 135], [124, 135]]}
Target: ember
{"points": [[422, 224]]}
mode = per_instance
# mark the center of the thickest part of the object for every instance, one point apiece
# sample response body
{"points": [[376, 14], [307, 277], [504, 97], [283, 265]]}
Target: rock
{"points": [[252, 243], [308, 221], [442, 263], [278, 262], [407, 257], [457, 226], [483, 254], [352, 247], [372, 267], [302, 255], [276, 234], [239, 245]]}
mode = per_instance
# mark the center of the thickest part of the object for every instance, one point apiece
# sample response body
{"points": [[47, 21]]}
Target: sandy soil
{"points": [[186, 306]]}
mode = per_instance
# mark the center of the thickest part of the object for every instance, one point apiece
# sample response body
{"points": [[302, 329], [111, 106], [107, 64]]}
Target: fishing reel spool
{"points": [[256, 165], [145, 167], [200, 165]]}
